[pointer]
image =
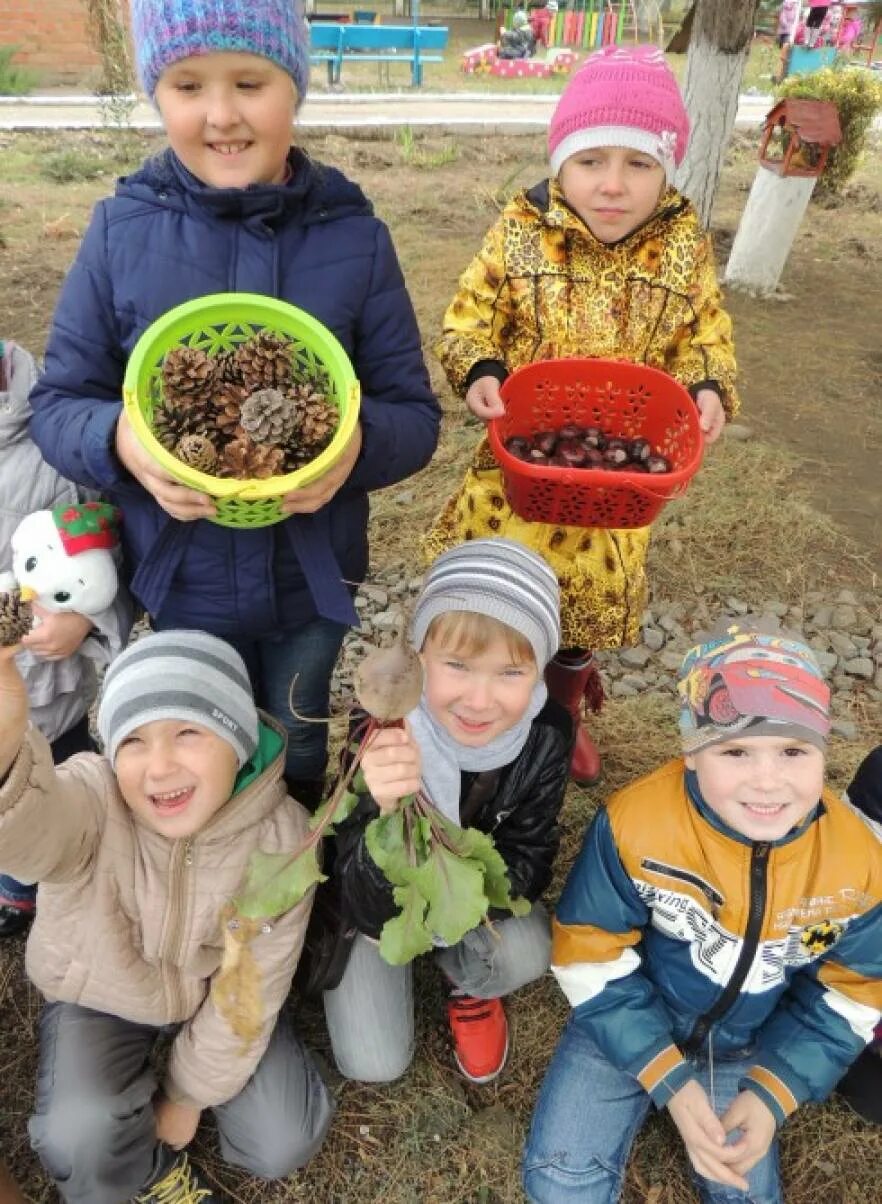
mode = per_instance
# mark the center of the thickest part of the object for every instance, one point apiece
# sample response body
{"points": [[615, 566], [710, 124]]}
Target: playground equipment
{"points": [[590, 24]]}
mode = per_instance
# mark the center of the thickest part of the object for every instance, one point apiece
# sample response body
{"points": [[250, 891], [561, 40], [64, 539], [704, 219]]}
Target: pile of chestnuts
{"points": [[586, 447]]}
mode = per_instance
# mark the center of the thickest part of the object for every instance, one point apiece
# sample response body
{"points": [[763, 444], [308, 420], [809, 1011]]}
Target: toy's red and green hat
{"points": [[85, 526]]}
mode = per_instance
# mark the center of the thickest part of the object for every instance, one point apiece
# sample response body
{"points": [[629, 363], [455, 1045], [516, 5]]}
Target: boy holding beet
{"points": [[490, 750]]}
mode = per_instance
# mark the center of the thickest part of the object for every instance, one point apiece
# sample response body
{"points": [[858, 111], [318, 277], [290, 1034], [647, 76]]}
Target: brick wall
{"points": [[52, 37]]}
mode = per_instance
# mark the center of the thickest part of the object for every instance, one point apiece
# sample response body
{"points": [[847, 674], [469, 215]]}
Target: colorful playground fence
{"points": [[589, 24]]}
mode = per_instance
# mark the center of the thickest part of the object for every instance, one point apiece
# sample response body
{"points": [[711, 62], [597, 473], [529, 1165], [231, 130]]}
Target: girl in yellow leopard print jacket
{"points": [[603, 259]]}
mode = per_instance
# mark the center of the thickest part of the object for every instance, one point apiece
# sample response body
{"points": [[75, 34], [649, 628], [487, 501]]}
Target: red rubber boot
{"points": [[573, 680]]}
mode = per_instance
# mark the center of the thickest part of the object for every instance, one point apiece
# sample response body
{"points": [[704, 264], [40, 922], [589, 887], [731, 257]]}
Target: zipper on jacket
{"points": [[759, 864], [182, 860]]}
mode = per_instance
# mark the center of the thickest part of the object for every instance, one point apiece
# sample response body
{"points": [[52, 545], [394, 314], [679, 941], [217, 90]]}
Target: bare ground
{"points": [[793, 509]]}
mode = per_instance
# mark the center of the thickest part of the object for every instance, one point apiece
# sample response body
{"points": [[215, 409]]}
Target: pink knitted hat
{"points": [[621, 97]]}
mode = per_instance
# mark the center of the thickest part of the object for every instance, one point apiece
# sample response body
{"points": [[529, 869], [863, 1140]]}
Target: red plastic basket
{"points": [[623, 399]]}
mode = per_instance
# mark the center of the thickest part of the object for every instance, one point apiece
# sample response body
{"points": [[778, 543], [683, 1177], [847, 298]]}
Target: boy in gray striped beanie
{"points": [[141, 855], [489, 749]]}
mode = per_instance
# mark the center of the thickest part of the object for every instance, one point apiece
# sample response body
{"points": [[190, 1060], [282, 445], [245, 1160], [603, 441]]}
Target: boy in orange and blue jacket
{"points": [[719, 939]]}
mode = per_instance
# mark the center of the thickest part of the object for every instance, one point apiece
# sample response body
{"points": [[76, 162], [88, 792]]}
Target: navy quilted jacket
{"points": [[166, 238]]}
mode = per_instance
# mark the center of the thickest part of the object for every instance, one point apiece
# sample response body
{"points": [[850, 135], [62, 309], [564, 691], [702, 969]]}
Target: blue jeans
{"points": [[309, 654], [74, 740], [587, 1116]]}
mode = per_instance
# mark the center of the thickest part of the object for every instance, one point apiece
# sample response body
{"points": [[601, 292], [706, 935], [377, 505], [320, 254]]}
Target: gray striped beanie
{"points": [[494, 577], [179, 675]]}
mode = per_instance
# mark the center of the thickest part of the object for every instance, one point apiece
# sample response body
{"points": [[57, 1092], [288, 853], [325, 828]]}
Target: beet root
{"points": [[389, 682]]}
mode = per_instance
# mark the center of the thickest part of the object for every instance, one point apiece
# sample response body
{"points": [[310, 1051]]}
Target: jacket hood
{"points": [[312, 193], [547, 201], [15, 409]]}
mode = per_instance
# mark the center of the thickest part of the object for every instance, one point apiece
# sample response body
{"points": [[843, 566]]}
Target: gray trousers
{"points": [[93, 1126], [370, 1014]]}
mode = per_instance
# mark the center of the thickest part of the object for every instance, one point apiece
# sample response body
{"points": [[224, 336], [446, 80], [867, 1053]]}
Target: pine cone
{"points": [[188, 372], [269, 416], [227, 410], [265, 361], [244, 459], [198, 451], [228, 370], [15, 618], [172, 422], [317, 420]]}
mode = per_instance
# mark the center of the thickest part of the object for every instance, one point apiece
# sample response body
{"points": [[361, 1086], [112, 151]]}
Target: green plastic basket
{"points": [[217, 323]]}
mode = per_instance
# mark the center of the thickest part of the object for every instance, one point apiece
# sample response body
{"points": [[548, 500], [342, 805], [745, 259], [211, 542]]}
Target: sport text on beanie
{"points": [[166, 31], [621, 97], [498, 578], [179, 675], [748, 683]]}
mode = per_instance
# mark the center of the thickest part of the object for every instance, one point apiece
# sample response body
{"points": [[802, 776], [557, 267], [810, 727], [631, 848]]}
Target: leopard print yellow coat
{"points": [[543, 287]]}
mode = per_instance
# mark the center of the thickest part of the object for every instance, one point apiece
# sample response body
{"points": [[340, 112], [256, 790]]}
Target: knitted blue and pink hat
{"points": [[166, 31]]}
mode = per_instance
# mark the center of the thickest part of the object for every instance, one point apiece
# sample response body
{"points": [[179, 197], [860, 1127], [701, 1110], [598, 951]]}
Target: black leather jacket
{"points": [[517, 805]]}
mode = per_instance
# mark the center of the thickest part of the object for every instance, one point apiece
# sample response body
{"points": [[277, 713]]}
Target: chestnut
{"points": [[616, 455], [640, 450], [593, 458], [518, 446], [594, 437], [572, 451], [546, 442], [657, 464], [571, 431], [616, 444], [559, 461], [537, 457]]}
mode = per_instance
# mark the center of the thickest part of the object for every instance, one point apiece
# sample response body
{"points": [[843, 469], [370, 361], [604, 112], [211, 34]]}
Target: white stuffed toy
{"points": [[64, 559]]}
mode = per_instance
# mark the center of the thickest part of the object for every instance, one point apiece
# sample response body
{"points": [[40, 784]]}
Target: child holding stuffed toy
{"points": [[604, 258], [85, 628], [232, 206], [490, 750]]}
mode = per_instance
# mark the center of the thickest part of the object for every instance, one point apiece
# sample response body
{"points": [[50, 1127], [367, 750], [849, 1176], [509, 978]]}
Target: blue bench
{"points": [[337, 44]]}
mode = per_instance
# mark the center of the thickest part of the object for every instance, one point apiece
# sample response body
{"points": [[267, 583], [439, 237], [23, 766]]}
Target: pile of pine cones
{"points": [[15, 618], [241, 413]]}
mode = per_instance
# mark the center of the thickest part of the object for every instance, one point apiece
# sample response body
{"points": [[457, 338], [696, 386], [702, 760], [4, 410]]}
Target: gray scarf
{"points": [[444, 758]]}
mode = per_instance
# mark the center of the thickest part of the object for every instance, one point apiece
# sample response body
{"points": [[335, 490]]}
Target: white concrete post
{"points": [[767, 229]]}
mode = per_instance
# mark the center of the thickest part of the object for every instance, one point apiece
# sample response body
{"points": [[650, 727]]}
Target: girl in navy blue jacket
{"points": [[232, 206]]}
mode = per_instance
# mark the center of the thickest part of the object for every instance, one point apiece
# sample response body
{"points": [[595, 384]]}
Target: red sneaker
{"points": [[480, 1036]]}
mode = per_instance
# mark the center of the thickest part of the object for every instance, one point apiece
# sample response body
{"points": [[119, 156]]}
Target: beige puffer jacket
{"points": [[128, 921]]}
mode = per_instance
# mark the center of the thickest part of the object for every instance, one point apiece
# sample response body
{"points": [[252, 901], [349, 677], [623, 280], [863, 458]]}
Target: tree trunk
{"points": [[721, 35], [679, 43]]}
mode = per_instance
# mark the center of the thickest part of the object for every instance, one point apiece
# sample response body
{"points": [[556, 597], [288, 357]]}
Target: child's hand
{"points": [[313, 497], [391, 766], [704, 1136], [181, 503], [748, 1113], [176, 1124], [712, 415], [483, 398], [59, 634]]}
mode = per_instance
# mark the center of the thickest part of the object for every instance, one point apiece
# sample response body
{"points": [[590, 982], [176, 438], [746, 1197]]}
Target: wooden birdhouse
{"points": [[798, 135]]}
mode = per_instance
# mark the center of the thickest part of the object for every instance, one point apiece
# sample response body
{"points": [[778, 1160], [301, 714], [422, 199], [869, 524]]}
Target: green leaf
{"points": [[337, 808], [454, 888], [479, 846], [384, 838], [276, 882], [405, 936]]}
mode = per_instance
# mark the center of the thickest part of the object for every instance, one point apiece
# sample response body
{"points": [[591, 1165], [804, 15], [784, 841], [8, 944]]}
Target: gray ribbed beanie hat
{"points": [[179, 675], [494, 577]]}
